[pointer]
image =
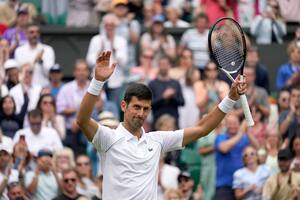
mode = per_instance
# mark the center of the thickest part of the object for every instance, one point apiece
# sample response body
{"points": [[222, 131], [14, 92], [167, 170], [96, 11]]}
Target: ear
{"points": [[123, 105]]}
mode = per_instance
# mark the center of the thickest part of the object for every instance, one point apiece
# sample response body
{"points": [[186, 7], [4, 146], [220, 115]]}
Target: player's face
{"points": [[136, 111]]}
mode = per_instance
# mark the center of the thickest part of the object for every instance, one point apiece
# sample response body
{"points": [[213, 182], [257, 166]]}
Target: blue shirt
{"points": [[228, 163], [285, 72]]}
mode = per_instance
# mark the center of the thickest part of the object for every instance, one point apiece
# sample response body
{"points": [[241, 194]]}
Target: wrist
{"points": [[95, 87], [226, 104]]}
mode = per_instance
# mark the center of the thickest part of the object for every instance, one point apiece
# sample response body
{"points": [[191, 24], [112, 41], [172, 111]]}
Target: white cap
{"points": [[6, 146], [11, 63]]}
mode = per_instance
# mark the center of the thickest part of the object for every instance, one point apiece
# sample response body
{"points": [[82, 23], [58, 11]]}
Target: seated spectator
{"points": [[86, 186], [51, 119], [229, 147], [63, 159], [261, 73], [259, 129], [10, 122], [55, 79], [157, 38], [283, 100], [294, 147], [289, 10], [70, 180], [284, 184], [25, 86], [185, 185], [185, 62], [249, 180], [289, 119], [43, 182], [16, 191], [7, 173], [195, 39], [37, 136], [40, 55], [269, 27], [173, 18], [288, 74], [210, 90], [145, 72], [16, 35], [272, 146], [12, 73], [148, 15], [172, 194]]}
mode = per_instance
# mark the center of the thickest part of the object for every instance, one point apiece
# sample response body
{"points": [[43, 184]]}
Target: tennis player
{"points": [[129, 156]]}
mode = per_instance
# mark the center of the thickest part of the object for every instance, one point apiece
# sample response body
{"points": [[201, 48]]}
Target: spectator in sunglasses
{"points": [[69, 181]]}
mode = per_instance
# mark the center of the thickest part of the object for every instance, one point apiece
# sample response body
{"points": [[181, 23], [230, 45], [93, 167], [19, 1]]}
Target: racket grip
{"points": [[246, 110]]}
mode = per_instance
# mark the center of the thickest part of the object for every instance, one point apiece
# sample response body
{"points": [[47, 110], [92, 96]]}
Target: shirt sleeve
{"points": [[28, 178], [237, 180], [170, 140], [103, 138]]}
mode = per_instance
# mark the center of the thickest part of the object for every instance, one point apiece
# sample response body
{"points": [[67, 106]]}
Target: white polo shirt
{"points": [[129, 165]]}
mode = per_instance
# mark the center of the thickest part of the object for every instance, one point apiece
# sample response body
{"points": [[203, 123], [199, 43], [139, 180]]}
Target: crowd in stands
{"points": [[43, 153]]}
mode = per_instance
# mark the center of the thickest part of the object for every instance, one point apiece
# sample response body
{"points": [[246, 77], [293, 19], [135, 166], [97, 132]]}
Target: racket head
{"points": [[227, 45]]}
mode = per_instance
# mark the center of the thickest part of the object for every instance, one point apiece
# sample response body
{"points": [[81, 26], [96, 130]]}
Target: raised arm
{"points": [[103, 71], [212, 119]]}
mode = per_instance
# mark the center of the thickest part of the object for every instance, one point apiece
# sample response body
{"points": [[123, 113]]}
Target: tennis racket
{"points": [[227, 47]]}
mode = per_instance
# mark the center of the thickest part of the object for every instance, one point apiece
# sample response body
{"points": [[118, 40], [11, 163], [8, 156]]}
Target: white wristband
{"points": [[226, 104], [95, 87]]}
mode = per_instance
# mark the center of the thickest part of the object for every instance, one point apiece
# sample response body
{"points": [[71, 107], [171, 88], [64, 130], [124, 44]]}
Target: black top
{"points": [[64, 197]]}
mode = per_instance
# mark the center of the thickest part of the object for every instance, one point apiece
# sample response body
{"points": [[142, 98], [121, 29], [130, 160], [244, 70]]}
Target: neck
{"points": [[163, 77], [252, 167], [294, 63], [134, 131], [55, 83], [71, 194], [81, 84], [33, 44]]}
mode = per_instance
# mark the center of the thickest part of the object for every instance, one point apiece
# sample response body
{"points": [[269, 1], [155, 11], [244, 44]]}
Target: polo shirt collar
{"points": [[124, 132]]}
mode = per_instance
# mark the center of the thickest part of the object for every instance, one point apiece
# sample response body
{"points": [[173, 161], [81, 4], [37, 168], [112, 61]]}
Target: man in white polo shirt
{"points": [[130, 157]]}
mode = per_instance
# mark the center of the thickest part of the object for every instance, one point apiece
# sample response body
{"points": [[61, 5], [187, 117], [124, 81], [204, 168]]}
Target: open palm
{"points": [[103, 69]]}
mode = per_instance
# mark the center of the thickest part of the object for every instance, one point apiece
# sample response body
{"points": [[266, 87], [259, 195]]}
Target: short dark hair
{"points": [[69, 170], [201, 15], [35, 113], [138, 90]]}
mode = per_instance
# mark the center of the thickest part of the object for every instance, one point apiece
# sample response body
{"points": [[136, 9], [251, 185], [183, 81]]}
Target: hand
{"points": [[102, 70], [168, 93], [198, 193], [39, 56], [237, 88]]}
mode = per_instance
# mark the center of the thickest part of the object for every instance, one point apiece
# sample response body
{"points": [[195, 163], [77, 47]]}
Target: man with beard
{"points": [[129, 156], [285, 184]]}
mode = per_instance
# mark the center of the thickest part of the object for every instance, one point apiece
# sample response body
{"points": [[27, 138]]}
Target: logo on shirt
{"points": [[150, 149]]}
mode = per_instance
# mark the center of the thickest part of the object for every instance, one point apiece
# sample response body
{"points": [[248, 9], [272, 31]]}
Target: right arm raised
{"points": [[102, 72]]}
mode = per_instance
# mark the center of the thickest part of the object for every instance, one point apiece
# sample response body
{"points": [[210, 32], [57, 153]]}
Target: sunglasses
{"points": [[249, 154], [84, 163], [147, 56], [73, 180], [47, 102]]}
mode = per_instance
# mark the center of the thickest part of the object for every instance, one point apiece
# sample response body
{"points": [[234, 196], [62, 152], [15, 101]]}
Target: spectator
{"points": [[43, 182], [261, 73], [67, 105], [4, 52], [63, 159], [148, 15], [228, 147], [51, 119], [10, 122], [157, 38], [289, 10], [55, 78], [185, 185], [108, 39], [294, 147], [285, 184], [37, 136], [289, 119], [249, 180], [173, 16], [40, 55], [288, 74], [167, 93], [172, 194], [128, 28], [185, 62], [273, 143], [7, 174], [269, 27], [145, 72], [81, 13], [86, 186], [12, 73], [16, 35], [210, 90], [196, 40], [69, 181], [25, 86], [189, 113], [16, 191], [257, 96], [259, 129], [283, 100]]}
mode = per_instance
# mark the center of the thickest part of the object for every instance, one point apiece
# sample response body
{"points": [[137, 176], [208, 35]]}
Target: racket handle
{"points": [[246, 110]]}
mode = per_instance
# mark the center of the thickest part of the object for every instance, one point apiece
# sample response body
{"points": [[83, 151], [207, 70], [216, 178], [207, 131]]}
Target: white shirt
{"points": [[13, 177], [26, 54], [33, 94], [47, 138], [130, 166], [101, 43], [179, 24]]}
